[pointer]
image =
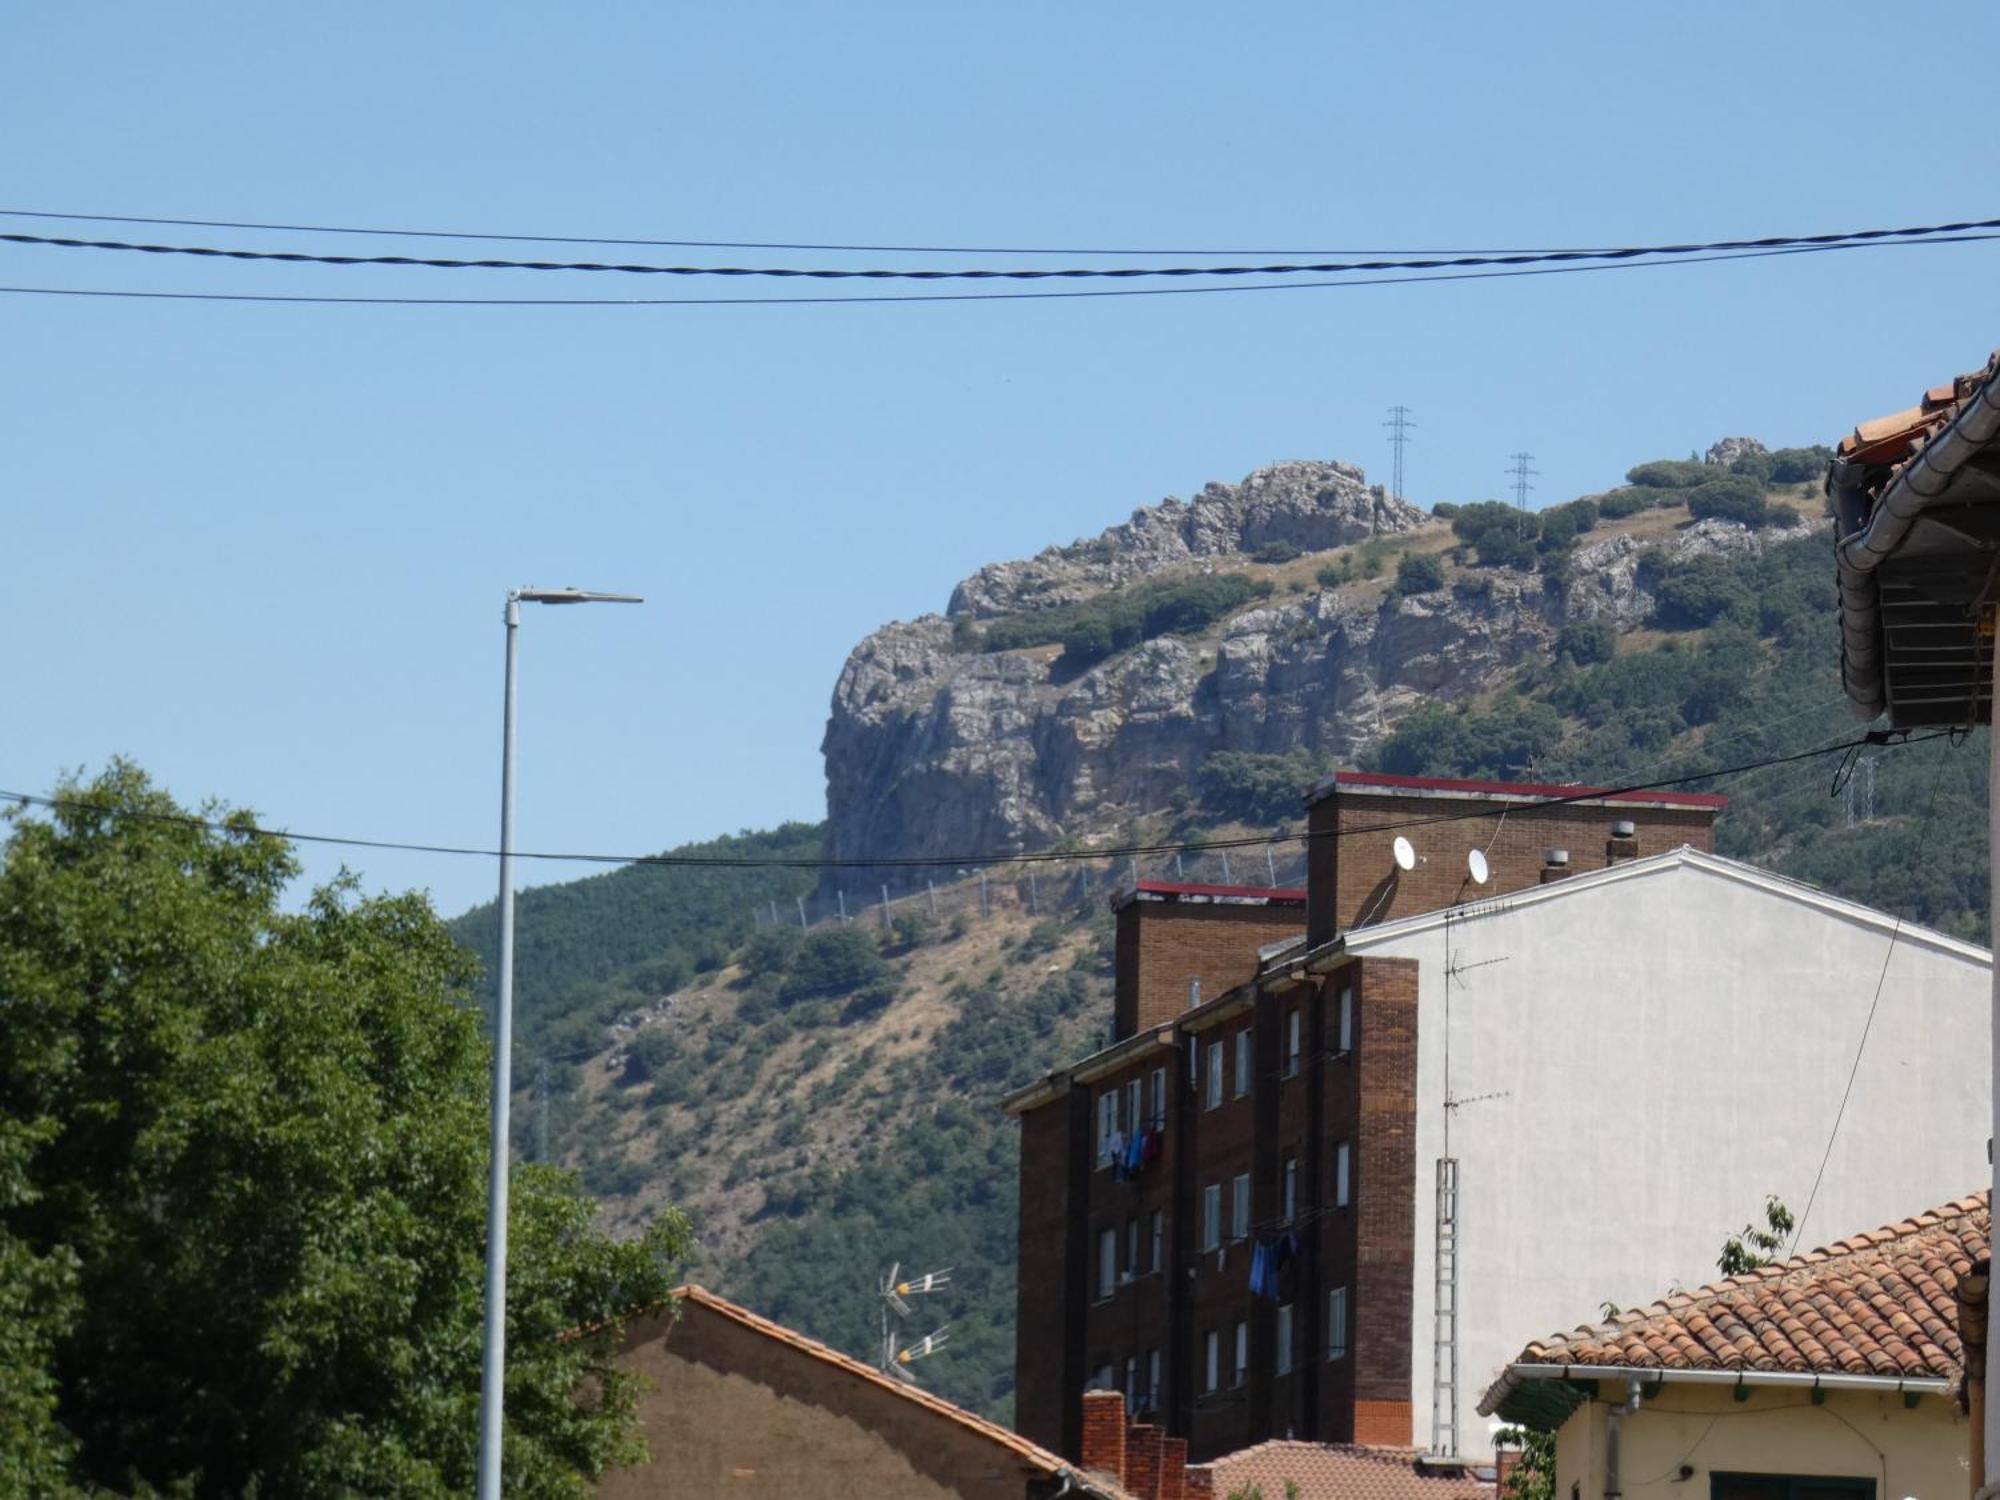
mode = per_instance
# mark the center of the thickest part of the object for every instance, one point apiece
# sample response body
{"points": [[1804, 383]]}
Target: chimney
{"points": [[1974, 1289], [1173, 1469], [1623, 843], [1104, 1433], [1142, 1461], [1555, 865], [1200, 1482], [1505, 1462]]}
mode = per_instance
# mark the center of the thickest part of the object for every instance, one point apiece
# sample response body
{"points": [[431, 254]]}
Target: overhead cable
{"points": [[1021, 273], [241, 827]]}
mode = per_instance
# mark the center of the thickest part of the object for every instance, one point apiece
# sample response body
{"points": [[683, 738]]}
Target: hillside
{"points": [[824, 1104]]}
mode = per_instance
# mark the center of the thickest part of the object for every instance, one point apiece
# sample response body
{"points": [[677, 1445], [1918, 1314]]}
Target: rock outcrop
{"points": [[931, 749]]}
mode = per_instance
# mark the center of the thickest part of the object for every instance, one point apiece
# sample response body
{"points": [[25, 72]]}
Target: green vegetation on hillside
{"points": [[1094, 628]]}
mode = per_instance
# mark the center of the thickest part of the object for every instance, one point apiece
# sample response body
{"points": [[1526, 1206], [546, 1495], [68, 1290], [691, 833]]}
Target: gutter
{"points": [[1871, 537], [1520, 1374]]}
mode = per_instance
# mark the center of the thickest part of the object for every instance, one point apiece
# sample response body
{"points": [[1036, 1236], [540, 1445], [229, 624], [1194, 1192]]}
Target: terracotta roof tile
{"points": [[1880, 1303], [1343, 1471], [1895, 438]]}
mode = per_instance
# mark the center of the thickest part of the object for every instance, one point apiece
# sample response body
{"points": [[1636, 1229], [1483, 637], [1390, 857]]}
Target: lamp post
{"points": [[493, 1349]]}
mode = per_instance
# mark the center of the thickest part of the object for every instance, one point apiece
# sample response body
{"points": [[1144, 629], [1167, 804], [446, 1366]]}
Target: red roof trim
{"points": [[1264, 894], [1386, 782]]}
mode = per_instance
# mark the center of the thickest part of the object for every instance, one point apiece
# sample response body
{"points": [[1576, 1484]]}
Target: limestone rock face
{"points": [[931, 749], [1729, 449]]}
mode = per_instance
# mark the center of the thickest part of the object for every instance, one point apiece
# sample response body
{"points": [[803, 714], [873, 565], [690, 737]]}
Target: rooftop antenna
{"points": [[896, 1292]]}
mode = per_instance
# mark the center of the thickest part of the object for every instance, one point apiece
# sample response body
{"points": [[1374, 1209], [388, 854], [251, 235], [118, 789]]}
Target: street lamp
{"points": [[493, 1354]]}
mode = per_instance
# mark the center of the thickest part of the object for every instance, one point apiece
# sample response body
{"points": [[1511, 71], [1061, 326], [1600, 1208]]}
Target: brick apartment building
{"points": [[1231, 1214]]}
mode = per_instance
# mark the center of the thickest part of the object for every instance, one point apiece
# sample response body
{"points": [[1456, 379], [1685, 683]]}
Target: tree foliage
{"points": [[242, 1183], [1419, 573], [1094, 628], [1248, 787], [1753, 1246]]}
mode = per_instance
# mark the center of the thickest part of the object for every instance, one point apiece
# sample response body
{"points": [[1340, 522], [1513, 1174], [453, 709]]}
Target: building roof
{"points": [[1030, 1455], [1220, 895], [1880, 1306], [1381, 783], [1344, 1471], [1916, 502]]}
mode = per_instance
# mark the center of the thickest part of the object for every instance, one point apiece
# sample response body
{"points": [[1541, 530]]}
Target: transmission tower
{"points": [[1400, 426], [1521, 474]]}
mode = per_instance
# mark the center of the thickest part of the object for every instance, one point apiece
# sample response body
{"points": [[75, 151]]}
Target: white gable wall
{"points": [[1669, 1042]]}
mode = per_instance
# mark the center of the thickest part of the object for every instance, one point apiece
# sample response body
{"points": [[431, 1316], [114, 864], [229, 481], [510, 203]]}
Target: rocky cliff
{"points": [[936, 746]]}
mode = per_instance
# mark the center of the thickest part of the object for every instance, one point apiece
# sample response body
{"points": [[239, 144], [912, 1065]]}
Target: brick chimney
{"points": [[1555, 865], [1142, 1461], [1505, 1462], [1200, 1482], [1173, 1469], [1104, 1433], [1623, 843]]}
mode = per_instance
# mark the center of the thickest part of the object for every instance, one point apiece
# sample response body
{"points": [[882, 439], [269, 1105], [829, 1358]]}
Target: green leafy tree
{"points": [[1419, 573], [1752, 1246], [242, 1183], [1534, 1476]]}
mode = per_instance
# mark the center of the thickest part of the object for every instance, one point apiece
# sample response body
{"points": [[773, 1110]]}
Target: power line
{"points": [[245, 827], [308, 299], [1066, 273], [664, 244]]}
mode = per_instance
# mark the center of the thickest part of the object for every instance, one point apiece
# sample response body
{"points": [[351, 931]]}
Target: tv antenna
{"points": [[897, 1357]]}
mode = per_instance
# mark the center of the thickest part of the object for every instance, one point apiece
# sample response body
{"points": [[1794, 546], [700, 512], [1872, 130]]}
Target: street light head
{"points": [[573, 596]]}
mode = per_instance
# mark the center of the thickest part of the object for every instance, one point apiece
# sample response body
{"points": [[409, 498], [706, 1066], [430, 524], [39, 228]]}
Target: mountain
{"points": [[824, 1102]]}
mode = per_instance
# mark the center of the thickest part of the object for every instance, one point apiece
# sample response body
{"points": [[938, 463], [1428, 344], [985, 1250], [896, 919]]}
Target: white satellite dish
{"points": [[1475, 866], [1406, 854]]}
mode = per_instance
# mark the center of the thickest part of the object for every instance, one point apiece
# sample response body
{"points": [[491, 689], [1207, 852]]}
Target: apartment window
{"points": [[1159, 1116], [1131, 1248], [1107, 1124], [1107, 1263], [1242, 1352], [1347, 1017], [1284, 1365], [1239, 1207], [1131, 1385], [1336, 1323], [1153, 1380], [1211, 1216], [1216, 1061], [1159, 1260], [1291, 1188], [1292, 1032], [1212, 1369], [1788, 1487], [1132, 1100], [1341, 1160], [1242, 1062]]}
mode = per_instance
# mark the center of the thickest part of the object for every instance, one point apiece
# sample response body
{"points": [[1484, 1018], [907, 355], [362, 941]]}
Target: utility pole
{"points": [[1400, 426], [1521, 474]]}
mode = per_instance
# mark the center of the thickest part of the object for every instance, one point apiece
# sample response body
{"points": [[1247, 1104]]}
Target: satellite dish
{"points": [[1475, 866], [1406, 854]]}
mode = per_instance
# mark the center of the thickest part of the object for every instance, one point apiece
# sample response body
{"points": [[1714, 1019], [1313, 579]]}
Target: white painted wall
{"points": [[1670, 1040]]}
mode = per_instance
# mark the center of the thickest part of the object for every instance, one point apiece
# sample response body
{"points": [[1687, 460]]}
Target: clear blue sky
{"points": [[262, 549]]}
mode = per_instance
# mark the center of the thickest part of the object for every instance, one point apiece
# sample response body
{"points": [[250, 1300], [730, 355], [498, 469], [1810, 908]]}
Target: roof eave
{"points": [[1503, 1391]]}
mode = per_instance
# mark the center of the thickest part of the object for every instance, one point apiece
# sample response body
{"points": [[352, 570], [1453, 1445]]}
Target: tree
{"points": [[1751, 1247], [1419, 573], [1534, 1476], [244, 1151]]}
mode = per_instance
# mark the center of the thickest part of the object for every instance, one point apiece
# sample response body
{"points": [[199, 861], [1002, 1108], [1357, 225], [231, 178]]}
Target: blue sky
{"points": [[261, 549]]}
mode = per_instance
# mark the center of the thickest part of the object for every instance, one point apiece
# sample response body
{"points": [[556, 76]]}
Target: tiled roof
{"points": [[1343, 1471], [1032, 1455], [1892, 439], [1880, 1303]]}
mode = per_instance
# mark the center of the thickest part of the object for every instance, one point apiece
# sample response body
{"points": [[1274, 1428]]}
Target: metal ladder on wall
{"points": [[1444, 1351]]}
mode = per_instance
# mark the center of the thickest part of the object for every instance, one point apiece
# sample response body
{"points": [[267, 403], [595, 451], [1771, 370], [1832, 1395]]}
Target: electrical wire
{"points": [[1843, 239], [309, 299], [244, 827]]}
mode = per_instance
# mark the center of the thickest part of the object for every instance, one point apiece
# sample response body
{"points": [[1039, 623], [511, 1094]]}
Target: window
{"points": [[1101, 1381], [1159, 1115], [1107, 1124], [1242, 1352], [1212, 1370], [1242, 1062], [1131, 1385], [1216, 1059], [1336, 1323], [1292, 1043], [1291, 1188], [1132, 1100], [1131, 1248], [1347, 1017], [1341, 1158], [1284, 1366], [1107, 1263], [1239, 1207], [1788, 1487], [1211, 1216], [1159, 1260], [1153, 1380]]}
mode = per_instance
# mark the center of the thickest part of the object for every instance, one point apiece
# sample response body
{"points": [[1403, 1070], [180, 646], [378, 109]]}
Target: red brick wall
{"points": [[1383, 1191], [1049, 1289], [1352, 859], [1164, 943]]}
